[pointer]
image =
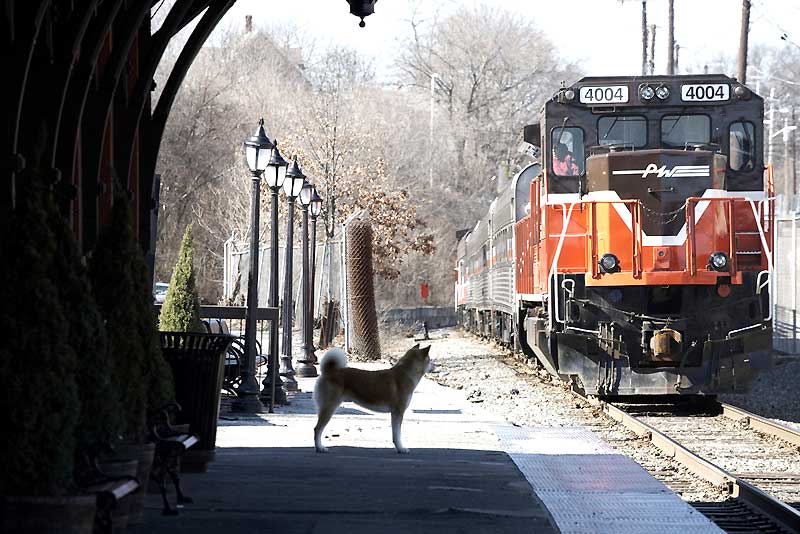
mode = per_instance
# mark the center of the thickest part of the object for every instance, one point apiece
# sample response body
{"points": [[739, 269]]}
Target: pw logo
{"points": [[678, 171]]}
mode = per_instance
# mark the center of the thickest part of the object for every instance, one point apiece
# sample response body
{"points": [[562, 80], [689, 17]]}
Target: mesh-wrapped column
{"points": [[363, 316]]}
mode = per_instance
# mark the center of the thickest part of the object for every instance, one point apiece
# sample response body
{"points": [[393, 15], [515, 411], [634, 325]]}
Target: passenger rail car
{"points": [[635, 259]]}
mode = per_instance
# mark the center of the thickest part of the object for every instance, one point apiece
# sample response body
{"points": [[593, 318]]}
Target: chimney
{"points": [[248, 23]]}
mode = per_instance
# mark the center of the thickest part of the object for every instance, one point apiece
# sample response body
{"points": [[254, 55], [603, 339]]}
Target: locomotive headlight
{"points": [[646, 92], [741, 92], [609, 263], [718, 261], [569, 94], [662, 92]]}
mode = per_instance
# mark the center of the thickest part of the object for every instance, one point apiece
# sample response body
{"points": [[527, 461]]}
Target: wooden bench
{"points": [[172, 441], [109, 490]]}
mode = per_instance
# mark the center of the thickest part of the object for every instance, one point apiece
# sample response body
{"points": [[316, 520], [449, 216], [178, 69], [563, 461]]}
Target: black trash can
{"points": [[197, 367]]}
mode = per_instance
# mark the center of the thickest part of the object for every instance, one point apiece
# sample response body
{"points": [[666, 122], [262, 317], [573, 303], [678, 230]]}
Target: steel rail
{"points": [[761, 424], [783, 514]]}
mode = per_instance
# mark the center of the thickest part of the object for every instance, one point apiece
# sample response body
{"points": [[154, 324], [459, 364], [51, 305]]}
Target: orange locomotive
{"points": [[642, 257]]}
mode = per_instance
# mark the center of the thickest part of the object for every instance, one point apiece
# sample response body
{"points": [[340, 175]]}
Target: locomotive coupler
{"points": [[666, 345]]}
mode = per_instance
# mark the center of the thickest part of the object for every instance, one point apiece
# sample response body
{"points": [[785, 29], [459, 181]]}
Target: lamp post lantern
{"points": [[307, 359], [291, 188], [273, 392], [315, 210], [258, 152]]}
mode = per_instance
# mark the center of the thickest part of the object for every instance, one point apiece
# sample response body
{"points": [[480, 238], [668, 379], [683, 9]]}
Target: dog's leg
{"points": [[397, 421], [323, 416]]}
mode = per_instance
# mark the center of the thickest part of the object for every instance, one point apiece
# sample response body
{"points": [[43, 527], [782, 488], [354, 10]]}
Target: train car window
{"points": [[625, 130], [742, 146], [680, 131], [568, 153], [499, 247]]}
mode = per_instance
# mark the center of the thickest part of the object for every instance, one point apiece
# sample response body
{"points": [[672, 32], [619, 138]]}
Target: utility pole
{"points": [[794, 160], [743, 41], [771, 130], [430, 132], [677, 51], [788, 181], [644, 37], [652, 49], [786, 174], [671, 39]]}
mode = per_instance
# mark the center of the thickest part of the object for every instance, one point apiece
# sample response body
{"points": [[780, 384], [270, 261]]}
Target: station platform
{"points": [[468, 471]]}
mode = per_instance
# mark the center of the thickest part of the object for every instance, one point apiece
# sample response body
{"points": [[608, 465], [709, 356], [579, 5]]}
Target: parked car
{"points": [[160, 292]]}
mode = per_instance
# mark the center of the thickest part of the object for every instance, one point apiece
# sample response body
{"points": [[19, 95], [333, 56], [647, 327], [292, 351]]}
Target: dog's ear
{"points": [[425, 350], [415, 346]]}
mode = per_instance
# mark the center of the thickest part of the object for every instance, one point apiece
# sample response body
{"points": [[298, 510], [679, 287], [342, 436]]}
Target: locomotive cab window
{"points": [[742, 151], [681, 131], [628, 131], [567, 149]]}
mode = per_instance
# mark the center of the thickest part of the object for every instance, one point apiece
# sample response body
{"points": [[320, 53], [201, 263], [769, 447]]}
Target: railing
{"points": [[691, 235], [636, 235], [236, 315]]}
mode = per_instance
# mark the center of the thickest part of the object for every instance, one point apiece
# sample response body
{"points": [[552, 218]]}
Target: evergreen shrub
{"points": [[181, 309], [39, 404], [100, 418], [121, 286]]}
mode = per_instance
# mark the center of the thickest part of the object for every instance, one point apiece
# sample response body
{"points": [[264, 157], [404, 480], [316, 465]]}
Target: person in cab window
{"points": [[564, 163]]}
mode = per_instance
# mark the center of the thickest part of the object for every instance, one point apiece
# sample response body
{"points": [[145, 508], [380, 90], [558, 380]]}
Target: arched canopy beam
{"points": [[216, 10], [77, 93], [95, 123], [28, 19], [140, 97]]}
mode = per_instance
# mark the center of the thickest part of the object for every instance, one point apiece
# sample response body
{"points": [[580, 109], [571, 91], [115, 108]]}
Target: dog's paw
{"points": [[403, 450], [321, 449]]}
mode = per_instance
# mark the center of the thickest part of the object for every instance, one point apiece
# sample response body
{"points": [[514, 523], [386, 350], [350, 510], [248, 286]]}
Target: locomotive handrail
{"points": [[691, 221], [565, 218], [636, 234], [767, 250]]}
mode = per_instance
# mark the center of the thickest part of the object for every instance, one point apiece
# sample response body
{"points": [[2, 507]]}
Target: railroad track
{"points": [[755, 460]]}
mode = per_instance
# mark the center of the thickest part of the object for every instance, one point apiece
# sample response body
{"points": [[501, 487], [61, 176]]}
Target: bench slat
{"points": [[126, 488], [117, 488], [187, 440]]}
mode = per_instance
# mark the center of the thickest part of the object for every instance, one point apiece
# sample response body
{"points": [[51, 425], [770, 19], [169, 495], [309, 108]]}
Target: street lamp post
{"points": [[306, 360], [273, 392], [258, 152], [291, 188], [315, 210]]}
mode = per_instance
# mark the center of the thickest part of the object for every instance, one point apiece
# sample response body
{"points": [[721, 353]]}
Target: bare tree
{"points": [[489, 83]]}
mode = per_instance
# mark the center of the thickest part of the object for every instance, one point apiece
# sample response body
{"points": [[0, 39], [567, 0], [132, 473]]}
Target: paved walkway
{"points": [[267, 477]]}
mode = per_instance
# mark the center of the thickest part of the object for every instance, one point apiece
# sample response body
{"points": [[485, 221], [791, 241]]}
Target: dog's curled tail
{"points": [[335, 358]]}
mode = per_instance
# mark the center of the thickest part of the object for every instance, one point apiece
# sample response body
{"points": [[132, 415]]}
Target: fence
{"points": [[327, 282], [432, 316], [787, 275]]}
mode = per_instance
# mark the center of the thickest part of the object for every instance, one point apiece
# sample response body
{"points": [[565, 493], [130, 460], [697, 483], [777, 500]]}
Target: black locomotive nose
{"points": [[662, 179]]}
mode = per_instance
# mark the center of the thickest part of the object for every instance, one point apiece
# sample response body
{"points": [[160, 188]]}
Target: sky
{"points": [[603, 36]]}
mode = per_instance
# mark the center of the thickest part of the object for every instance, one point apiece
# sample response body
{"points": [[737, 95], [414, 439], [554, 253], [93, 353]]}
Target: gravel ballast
{"points": [[774, 392]]}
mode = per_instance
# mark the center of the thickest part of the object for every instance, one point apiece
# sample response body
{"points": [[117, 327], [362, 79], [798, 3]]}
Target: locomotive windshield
{"points": [[622, 130], [678, 131]]}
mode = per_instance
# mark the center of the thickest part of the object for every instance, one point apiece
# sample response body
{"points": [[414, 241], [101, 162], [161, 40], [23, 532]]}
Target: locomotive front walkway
{"points": [[468, 472]]}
